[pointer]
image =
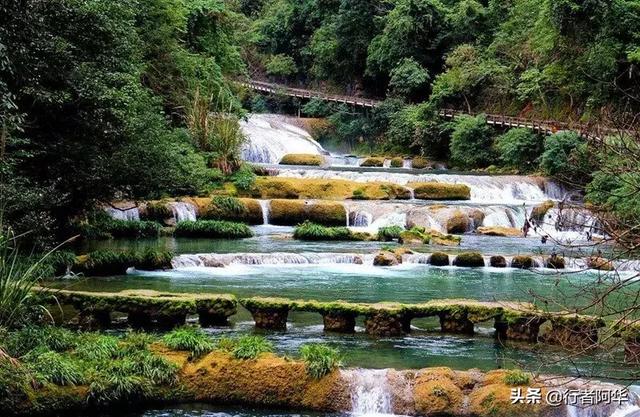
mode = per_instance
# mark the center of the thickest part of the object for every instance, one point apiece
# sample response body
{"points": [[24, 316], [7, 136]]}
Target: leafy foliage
{"points": [[519, 148], [471, 142], [213, 229]]}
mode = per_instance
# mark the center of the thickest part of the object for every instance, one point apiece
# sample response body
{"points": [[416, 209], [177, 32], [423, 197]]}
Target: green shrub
{"points": [[101, 227], [471, 142], [320, 359], [137, 340], [519, 148], [226, 344], [250, 347], [229, 204], [244, 178], [20, 342], [189, 338], [389, 233], [55, 368], [15, 385], [213, 229], [312, 231], [359, 194], [96, 346], [515, 377]]}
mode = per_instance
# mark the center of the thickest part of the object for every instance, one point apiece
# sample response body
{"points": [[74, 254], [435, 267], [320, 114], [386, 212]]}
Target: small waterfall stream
{"points": [[370, 393], [131, 214], [265, 205], [183, 211]]}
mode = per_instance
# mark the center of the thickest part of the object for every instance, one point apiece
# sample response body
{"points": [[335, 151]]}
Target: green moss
{"points": [[469, 259], [267, 303], [213, 229], [302, 159], [522, 262], [245, 210], [325, 189], [103, 263], [373, 162], [414, 235], [293, 212], [439, 259], [440, 191], [397, 162]]}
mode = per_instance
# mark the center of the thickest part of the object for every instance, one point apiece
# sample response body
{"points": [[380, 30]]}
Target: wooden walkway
{"points": [[545, 127]]}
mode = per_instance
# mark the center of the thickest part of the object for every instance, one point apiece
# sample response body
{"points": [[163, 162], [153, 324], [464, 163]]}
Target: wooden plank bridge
{"points": [[545, 127]]}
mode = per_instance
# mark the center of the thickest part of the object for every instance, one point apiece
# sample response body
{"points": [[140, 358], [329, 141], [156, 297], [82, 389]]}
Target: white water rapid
{"points": [[131, 214], [370, 393], [503, 189], [270, 137]]}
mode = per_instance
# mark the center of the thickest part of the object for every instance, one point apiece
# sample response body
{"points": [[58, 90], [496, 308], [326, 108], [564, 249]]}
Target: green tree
{"points": [[408, 78], [519, 148], [471, 142], [558, 149], [280, 65]]}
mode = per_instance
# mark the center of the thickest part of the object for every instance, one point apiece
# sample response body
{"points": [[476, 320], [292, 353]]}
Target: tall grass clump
{"points": [[189, 338], [55, 368], [213, 229], [313, 231], [515, 377], [389, 233], [250, 347], [17, 279], [320, 359]]}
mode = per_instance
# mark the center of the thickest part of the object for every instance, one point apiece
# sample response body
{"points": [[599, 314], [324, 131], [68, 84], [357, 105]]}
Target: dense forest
{"points": [[134, 99]]}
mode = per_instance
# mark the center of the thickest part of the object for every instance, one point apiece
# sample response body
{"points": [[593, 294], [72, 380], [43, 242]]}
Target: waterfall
{"points": [[273, 258], [183, 211], [131, 214], [370, 393], [360, 218], [386, 163], [504, 189], [407, 163], [265, 205], [270, 137]]}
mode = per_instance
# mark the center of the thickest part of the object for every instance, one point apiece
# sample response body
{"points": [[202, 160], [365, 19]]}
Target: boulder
{"points": [[469, 259], [302, 159], [555, 262], [498, 261], [538, 212], [522, 262], [440, 191], [439, 259], [385, 258], [601, 264], [458, 222], [499, 231], [373, 162]]}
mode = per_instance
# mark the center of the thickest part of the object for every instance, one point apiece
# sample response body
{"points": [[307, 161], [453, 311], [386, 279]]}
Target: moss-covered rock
{"points": [[397, 162], [420, 163], [437, 395], [105, 262], [245, 210], [499, 231], [498, 261], [302, 159], [469, 259], [293, 212], [599, 263], [555, 262], [439, 259], [158, 211], [441, 239], [416, 235], [325, 189], [386, 258], [373, 161], [522, 262], [440, 191], [494, 400], [458, 222], [539, 211]]}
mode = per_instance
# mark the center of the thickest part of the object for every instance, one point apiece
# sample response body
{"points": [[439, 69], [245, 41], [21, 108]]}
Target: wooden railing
{"points": [[545, 127]]}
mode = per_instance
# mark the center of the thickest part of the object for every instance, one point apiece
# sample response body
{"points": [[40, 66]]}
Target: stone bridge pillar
{"points": [[384, 323]]}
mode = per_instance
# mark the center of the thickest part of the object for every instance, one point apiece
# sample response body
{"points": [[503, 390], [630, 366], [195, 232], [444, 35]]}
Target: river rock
{"points": [[498, 261], [499, 231], [385, 259]]}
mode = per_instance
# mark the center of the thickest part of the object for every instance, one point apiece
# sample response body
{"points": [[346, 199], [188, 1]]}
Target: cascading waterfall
{"points": [[503, 189], [270, 137], [370, 393], [360, 218], [130, 214], [570, 224], [183, 211], [265, 206], [273, 258]]}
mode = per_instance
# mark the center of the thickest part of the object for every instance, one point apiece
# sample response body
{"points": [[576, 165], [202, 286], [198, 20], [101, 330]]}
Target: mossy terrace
{"points": [[144, 308]]}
